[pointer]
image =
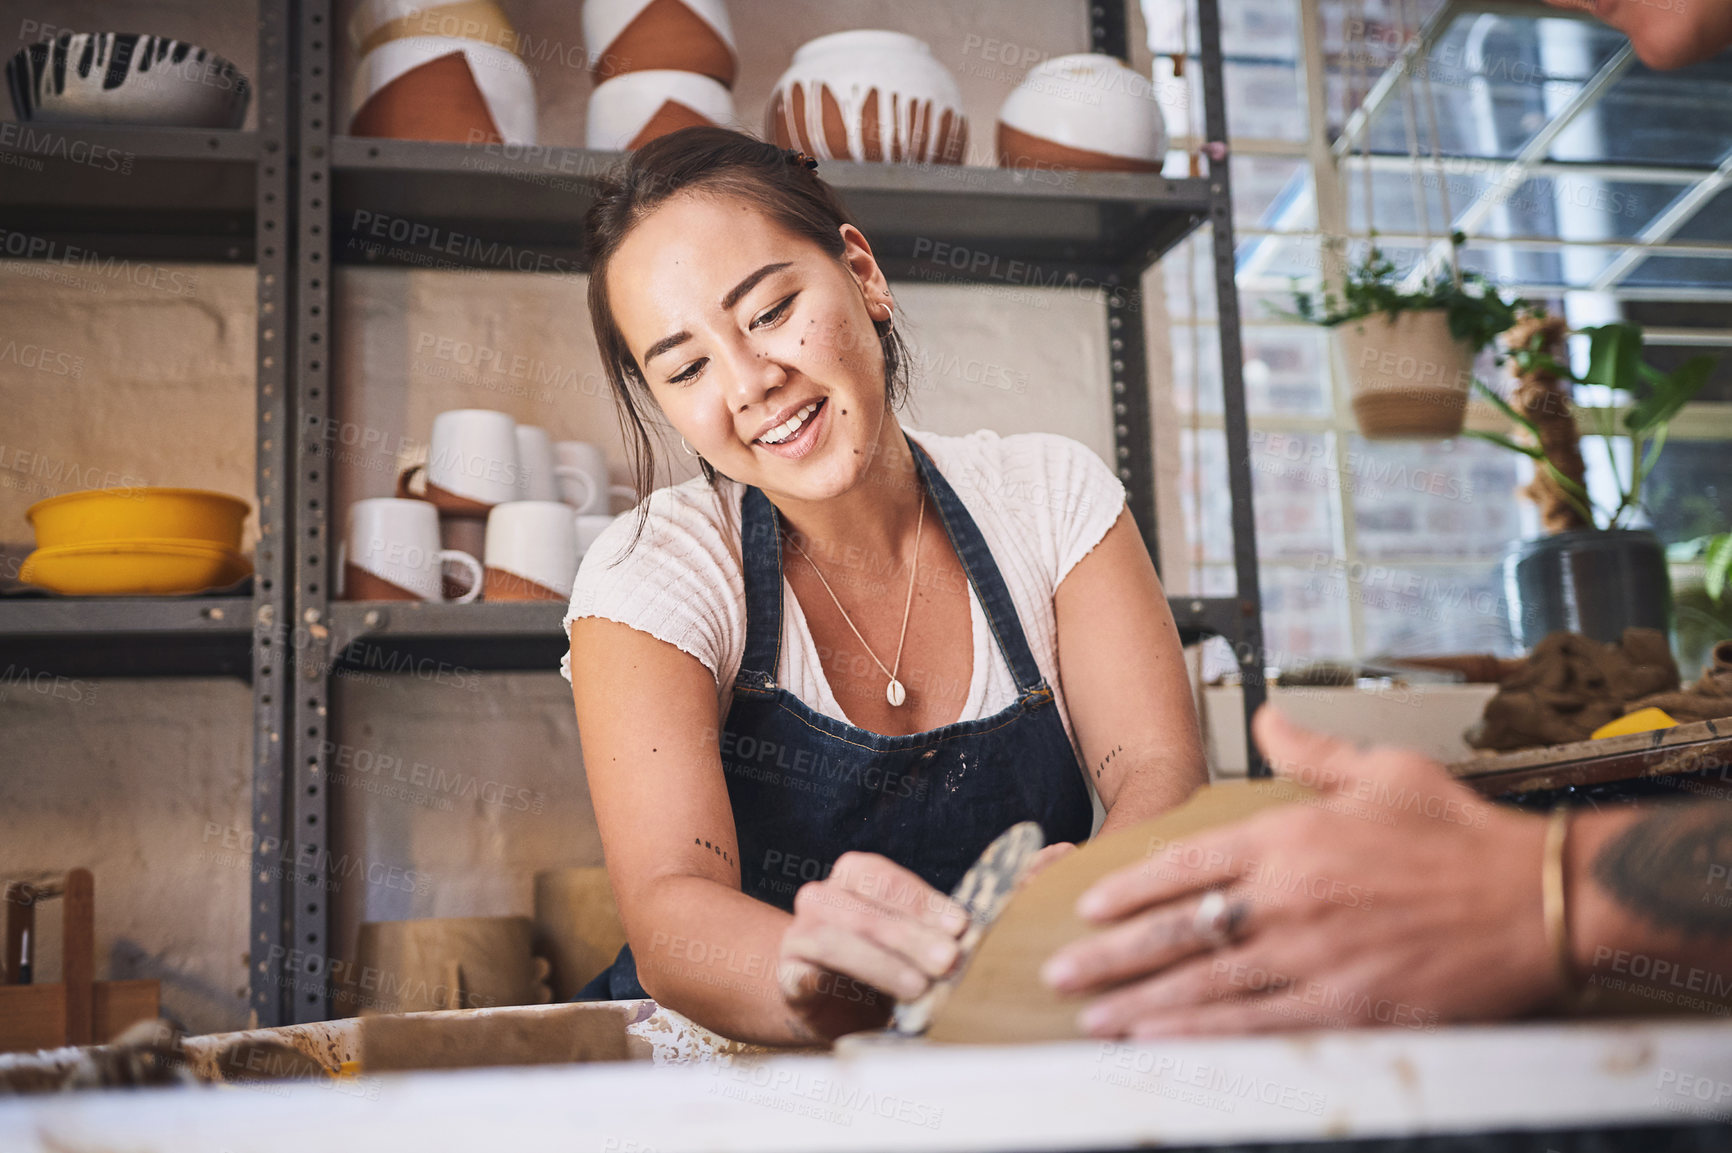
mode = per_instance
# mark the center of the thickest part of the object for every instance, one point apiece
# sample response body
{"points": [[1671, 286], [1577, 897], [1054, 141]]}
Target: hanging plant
{"points": [[1408, 353]]}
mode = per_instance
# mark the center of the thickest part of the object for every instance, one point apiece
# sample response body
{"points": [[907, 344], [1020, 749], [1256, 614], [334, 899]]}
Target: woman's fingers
{"points": [[929, 949], [855, 954], [1144, 944], [884, 882], [1044, 858], [1199, 863]]}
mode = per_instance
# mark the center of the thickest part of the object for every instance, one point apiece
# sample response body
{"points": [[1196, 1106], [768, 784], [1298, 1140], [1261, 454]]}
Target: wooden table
{"points": [[1543, 1082], [1703, 748]]}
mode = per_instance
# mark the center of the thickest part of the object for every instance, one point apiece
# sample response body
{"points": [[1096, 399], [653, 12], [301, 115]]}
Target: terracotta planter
{"points": [[1087, 112], [629, 111], [444, 88], [869, 96], [1409, 377], [627, 36]]}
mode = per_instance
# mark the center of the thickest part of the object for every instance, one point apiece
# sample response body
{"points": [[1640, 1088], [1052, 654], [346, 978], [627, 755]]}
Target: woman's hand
{"points": [[869, 934], [1046, 857], [1396, 897]]}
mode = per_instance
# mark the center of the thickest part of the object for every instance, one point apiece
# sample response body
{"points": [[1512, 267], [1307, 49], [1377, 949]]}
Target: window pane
{"points": [[1689, 493], [1292, 487], [1430, 609], [1450, 498], [1284, 370], [1304, 619]]}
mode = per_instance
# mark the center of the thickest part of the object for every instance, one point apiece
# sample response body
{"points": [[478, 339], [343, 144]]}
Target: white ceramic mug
{"points": [[531, 551], [471, 462], [589, 526], [535, 476], [391, 552], [583, 477]]}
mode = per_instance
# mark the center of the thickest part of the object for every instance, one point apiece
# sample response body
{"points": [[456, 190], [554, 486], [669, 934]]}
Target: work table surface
{"points": [[1079, 1095]]}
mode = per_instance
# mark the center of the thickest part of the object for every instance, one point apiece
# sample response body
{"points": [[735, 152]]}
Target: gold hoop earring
{"points": [[688, 448], [885, 305]]}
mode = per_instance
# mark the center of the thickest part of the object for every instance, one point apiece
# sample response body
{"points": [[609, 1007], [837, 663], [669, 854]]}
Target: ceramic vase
{"points": [[659, 35], [631, 110], [869, 96], [1086, 112]]}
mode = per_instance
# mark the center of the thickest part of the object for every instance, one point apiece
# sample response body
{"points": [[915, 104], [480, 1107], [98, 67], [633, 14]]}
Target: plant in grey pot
{"points": [[1407, 353], [1591, 572]]}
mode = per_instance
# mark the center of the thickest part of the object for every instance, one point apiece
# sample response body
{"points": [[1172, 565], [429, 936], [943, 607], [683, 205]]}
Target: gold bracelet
{"points": [[1556, 903]]}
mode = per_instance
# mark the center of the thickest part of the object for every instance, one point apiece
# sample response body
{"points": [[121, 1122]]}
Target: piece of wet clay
{"points": [[1001, 998]]}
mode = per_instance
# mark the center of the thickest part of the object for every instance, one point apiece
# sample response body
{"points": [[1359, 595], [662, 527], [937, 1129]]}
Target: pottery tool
{"points": [[984, 891]]}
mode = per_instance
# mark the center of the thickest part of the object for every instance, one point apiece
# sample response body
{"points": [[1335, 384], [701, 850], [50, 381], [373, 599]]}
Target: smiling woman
{"points": [[815, 683]]}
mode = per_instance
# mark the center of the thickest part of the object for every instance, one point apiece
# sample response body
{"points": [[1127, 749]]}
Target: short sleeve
{"points": [[1087, 499], [680, 581]]}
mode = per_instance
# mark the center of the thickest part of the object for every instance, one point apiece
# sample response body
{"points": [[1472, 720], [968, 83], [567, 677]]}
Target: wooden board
{"points": [[553, 1035], [1001, 998], [1662, 752], [34, 1016]]}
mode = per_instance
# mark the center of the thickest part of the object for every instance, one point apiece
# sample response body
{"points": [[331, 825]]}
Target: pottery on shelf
{"points": [[1086, 111], [629, 111], [871, 96], [376, 21], [444, 88], [125, 78], [625, 36]]}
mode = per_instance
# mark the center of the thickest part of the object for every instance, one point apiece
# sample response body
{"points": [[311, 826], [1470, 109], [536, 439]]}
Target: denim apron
{"points": [[806, 788]]}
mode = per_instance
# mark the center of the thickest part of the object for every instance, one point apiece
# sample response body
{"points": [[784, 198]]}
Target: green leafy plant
{"points": [[1715, 553], [1477, 311], [1615, 362]]}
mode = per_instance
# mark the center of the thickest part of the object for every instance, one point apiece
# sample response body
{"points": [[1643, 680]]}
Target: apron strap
{"points": [[761, 560], [983, 574]]}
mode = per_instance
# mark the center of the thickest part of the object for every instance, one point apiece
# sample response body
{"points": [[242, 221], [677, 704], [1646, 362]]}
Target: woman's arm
{"points": [[1124, 679], [647, 718]]}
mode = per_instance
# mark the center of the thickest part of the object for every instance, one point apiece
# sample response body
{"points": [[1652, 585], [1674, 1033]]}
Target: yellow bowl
{"points": [[107, 515], [134, 568]]}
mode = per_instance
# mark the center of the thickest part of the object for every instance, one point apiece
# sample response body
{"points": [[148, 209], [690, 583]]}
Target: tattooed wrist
{"points": [[1673, 867]]}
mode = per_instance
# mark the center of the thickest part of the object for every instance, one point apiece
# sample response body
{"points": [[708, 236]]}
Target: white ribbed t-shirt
{"points": [[1041, 502]]}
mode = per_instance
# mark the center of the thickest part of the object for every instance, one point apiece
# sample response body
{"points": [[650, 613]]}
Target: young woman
{"points": [[814, 683]]}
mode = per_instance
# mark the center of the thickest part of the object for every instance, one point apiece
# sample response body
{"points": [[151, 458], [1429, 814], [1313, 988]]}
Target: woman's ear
{"points": [[857, 255]]}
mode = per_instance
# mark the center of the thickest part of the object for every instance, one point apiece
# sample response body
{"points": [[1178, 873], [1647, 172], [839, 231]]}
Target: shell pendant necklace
{"points": [[893, 692]]}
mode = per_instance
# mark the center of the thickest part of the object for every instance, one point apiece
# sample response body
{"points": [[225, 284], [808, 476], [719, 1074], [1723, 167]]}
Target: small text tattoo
{"points": [[716, 849], [1107, 760]]}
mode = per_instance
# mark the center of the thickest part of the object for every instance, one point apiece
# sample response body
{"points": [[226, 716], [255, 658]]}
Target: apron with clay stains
{"points": [[806, 788]]}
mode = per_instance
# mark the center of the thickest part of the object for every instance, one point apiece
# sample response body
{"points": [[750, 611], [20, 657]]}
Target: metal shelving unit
{"points": [[289, 199]]}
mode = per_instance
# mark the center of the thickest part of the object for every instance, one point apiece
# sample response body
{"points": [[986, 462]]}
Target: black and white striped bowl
{"points": [[126, 78]]}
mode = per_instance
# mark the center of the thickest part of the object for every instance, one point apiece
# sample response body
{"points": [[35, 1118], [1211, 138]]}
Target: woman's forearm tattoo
{"points": [[1674, 868]]}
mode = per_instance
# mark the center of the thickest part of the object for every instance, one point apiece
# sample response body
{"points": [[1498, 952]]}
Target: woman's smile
{"points": [[798, 435]]}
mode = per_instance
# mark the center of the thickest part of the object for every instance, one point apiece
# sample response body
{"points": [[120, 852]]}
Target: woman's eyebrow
{"points": [[665, 344], [732, 298], [746, 285]]}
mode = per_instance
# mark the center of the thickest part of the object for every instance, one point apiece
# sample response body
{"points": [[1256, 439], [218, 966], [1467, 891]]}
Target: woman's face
{"points": [[739, 326]]}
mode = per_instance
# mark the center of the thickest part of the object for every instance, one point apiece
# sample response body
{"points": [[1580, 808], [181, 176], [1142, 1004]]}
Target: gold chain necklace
{"points": [[893, 692]]}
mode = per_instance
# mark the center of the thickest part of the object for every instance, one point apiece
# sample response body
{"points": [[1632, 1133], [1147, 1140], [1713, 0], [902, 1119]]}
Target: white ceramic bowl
{"points": [[625, 36], [1083, 111], [504, 81], [895, 101], [126, 78], [631, 110]]}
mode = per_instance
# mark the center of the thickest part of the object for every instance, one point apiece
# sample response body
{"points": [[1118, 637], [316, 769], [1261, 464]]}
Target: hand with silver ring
{"points": [[1218, 921], [1393, 896]]}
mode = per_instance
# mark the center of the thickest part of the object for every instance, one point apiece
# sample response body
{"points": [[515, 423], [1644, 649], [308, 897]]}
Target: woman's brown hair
{"points": [[721, 162]]}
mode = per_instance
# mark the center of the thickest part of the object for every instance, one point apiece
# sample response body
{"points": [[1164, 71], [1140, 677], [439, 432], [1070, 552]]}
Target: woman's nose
{"points": [[755, 373]]}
